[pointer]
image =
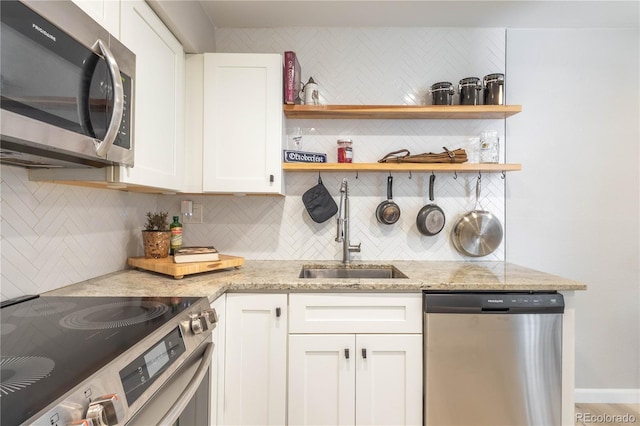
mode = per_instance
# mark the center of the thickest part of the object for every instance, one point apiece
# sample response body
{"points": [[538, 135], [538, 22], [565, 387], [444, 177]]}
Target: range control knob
{"points": [[197, 324], [106, 410], [203, 321], [212, 316]]}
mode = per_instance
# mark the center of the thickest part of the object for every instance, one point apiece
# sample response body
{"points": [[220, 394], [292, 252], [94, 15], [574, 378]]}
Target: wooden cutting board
{"points": [[179, 270]]}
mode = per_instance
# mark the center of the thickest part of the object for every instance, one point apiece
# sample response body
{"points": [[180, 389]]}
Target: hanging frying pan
{"points": [[477, 233], [431, 218], [388, 212]]}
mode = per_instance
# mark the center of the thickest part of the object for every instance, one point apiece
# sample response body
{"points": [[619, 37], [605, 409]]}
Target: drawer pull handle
{"points": [[278, 312], [346, 353], [364, 353]]}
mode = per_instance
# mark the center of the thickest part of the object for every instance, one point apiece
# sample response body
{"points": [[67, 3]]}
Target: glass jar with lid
{"points": [[345, 151]]}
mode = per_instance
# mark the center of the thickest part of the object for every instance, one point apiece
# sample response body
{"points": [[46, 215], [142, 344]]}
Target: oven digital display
{"points": [[156, 359], [144, 370]]}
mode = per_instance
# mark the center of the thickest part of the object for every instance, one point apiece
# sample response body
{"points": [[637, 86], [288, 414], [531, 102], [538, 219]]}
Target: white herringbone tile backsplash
{"points": [[363, 66], [54, 235]]}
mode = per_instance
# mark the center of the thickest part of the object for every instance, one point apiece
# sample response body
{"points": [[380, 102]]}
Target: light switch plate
{"points": [[196, 217]]}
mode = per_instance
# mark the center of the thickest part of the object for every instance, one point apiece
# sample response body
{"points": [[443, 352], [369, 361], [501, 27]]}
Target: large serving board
{"points": [[179, 270]]}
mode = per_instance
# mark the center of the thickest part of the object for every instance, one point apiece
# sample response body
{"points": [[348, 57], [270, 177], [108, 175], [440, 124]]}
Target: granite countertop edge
{"points": [[283, 276]]}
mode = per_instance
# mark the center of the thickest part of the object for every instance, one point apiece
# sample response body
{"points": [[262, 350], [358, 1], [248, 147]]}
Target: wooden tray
{"points": [[179, 270]]}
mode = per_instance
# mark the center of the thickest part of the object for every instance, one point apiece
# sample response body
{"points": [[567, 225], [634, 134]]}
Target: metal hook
{"points": [[389, 172], [410, 175], [432, 173], [503, 176], [455, 175], [356, 174], [479, 175]]}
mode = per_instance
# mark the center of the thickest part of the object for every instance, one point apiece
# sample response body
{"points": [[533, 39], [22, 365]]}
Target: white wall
{"points": [[573, 210]]}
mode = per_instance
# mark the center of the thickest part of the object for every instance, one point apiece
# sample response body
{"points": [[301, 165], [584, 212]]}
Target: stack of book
{"points": [[195, 254]]}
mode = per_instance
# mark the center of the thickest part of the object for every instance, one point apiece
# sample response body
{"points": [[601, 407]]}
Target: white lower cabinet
{"points": [[322, 383], [343, 372], [364, 379], [255, 374], [389, 379], [217, 362]]}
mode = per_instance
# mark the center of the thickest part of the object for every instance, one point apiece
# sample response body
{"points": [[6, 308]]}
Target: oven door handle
{"points": [[184, 399]]}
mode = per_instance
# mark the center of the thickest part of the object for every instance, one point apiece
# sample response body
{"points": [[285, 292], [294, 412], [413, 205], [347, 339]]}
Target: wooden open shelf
{"points": [[393, 167], [401, 111]]}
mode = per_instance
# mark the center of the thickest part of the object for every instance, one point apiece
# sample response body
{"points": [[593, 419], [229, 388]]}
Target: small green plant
{"points": [[157, 221]]}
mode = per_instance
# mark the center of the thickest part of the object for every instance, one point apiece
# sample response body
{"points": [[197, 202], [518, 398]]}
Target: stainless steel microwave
{"points": [[67, 88]]}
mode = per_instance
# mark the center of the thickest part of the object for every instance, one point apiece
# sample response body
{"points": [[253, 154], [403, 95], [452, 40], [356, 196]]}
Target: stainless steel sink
{"points": [[351, 271]]}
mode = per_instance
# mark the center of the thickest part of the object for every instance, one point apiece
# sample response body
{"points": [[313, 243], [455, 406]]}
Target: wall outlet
{"points": [[196, 217]]}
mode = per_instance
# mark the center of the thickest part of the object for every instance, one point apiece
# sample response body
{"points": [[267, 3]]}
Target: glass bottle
{"points": [[176, 234]]}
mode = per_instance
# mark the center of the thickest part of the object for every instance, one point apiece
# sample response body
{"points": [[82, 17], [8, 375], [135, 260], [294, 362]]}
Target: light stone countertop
{"points": [[283, 276]]}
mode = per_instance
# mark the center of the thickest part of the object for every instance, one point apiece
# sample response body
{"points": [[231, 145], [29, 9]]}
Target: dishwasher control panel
{"points": [[481, 302]]}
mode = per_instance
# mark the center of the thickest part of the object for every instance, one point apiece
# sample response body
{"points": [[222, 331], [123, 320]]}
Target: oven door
{"points": [[184, 400]]}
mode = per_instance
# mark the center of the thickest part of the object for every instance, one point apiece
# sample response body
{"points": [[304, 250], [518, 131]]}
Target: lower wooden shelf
{"points": [[391, 167]]}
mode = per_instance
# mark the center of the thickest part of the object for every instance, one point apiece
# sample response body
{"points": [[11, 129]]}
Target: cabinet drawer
{"points": [[355, 313]]}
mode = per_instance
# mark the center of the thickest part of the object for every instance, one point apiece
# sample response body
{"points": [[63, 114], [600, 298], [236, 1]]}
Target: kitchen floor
{"points": [[607, 414]]}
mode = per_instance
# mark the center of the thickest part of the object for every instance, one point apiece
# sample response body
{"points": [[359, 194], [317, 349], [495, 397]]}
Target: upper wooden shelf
{"points": [[408, 167], [402, 111]]}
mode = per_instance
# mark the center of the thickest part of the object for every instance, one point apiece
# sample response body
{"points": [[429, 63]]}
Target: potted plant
{"points": [[156, 235]]}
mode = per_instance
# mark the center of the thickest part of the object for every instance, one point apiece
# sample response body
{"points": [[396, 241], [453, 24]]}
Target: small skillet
{"points": [[431, 218], [388, 212]]}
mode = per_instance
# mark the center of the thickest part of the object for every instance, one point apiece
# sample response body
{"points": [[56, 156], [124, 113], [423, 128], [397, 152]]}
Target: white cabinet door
{"points": [[104, 12], [256, 359], [217, 362], [242, 129], [389, 379], [159, 99], [322, 379]]}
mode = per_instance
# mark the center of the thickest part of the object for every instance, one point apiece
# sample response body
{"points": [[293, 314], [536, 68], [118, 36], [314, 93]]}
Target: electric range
{"points": [[61, 356]]}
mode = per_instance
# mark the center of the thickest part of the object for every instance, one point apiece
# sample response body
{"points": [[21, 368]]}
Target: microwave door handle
{"points": [[102, 147]]}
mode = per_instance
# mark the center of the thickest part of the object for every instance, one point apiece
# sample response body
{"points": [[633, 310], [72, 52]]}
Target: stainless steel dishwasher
{"points": [[493, 359]]}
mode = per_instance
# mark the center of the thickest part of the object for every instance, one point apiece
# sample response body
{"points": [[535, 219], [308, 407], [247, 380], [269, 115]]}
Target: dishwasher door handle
{"points": [[500, 310]]}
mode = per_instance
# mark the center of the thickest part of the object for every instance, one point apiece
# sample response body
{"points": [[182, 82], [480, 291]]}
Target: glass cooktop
{"points": [[48, 345]]}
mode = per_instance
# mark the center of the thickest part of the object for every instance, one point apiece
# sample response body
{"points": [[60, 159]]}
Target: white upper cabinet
{"points": [[242, 123], [104, 12], [159, 99]]}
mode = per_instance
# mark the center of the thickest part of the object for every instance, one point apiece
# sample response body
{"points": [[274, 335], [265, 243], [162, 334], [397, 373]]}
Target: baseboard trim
{"points": [[607, 396]]}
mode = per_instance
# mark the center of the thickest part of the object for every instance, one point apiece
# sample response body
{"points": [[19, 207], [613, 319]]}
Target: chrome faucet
{"points": [[343, 225]]}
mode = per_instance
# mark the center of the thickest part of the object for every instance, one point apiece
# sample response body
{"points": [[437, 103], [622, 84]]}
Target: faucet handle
{"points": [[355, 248]]}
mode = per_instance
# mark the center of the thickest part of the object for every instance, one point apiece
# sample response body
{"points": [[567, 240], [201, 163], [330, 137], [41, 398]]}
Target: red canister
{"points": [[345, 151]]}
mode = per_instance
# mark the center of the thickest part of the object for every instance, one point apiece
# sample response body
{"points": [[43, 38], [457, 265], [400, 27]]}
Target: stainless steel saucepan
{"points": [[477, 233]]}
